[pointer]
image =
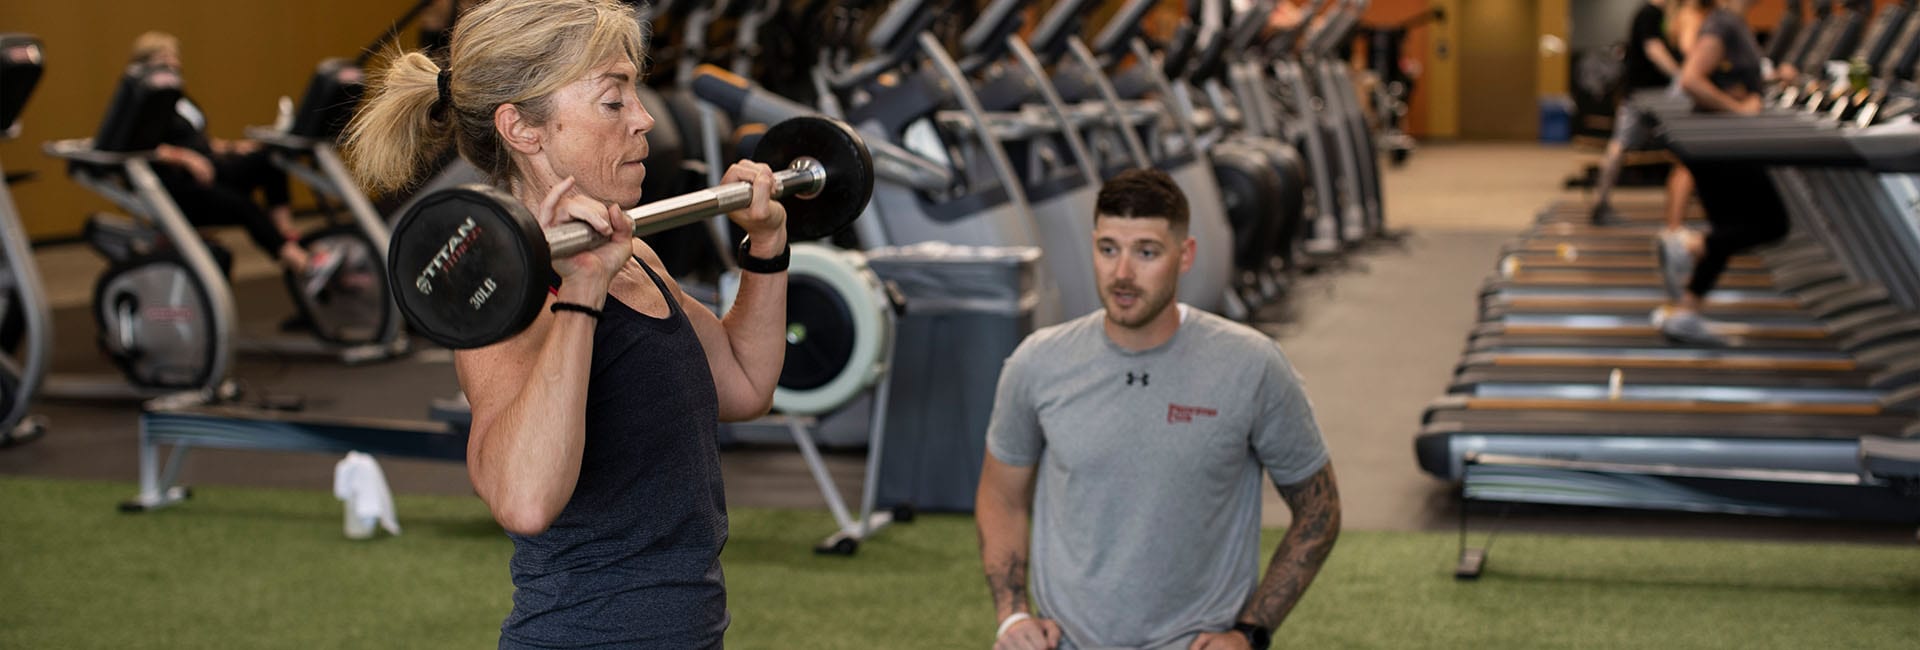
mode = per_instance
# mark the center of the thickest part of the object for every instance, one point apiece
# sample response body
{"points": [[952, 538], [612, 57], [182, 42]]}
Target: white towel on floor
{"points": [[358, 481]]}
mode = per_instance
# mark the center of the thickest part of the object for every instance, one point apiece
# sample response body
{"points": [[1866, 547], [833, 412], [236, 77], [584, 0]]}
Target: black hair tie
{"points": [[445, 101]]}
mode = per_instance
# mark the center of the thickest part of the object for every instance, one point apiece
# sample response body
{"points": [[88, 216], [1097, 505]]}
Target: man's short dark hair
{"points": [[1141, 194]]}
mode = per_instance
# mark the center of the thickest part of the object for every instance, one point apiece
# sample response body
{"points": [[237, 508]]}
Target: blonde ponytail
{"points": [[395, 133]]}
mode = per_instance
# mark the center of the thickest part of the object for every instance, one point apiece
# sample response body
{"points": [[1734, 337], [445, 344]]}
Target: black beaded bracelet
{"points": [[574, 307], [752, 264]]}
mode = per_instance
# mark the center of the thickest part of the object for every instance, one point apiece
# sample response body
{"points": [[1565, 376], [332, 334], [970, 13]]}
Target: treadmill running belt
{"points": [[1661, 424]]}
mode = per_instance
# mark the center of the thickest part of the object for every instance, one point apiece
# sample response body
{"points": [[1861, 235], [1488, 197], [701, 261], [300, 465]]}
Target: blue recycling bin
{"points": [[1556, 119]]}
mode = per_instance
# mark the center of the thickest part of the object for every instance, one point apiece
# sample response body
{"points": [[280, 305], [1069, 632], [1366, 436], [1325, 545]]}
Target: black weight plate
{"points": [[819, 334], [468, 266], [849, 173]]}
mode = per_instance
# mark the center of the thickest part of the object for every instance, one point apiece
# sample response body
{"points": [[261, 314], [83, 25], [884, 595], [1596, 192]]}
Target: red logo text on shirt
{"points": [[1178, 414]]}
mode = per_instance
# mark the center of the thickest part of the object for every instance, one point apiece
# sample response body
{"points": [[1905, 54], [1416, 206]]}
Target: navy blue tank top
{"points": [[633, 561]]}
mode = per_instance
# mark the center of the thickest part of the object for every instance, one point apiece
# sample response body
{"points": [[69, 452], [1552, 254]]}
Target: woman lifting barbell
{"points": [[593, 429]]}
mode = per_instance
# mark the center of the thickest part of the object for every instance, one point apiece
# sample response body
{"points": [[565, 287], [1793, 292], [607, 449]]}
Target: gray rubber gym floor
{"points": [[1376, 338]]}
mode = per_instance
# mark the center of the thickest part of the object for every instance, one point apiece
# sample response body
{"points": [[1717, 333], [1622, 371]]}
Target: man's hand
{"points": [[1228, 640], [1749, 106], [1030, 634]]}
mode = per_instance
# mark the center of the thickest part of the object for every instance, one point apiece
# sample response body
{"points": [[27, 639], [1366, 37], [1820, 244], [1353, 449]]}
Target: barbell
{"points": [[469, 265]]}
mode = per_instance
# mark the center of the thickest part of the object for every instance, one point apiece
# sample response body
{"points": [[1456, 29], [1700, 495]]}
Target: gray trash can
{"points": [[967, 308]]}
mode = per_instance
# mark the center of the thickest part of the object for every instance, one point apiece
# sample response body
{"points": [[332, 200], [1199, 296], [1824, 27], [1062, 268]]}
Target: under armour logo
{"points": [[1143, 379]]}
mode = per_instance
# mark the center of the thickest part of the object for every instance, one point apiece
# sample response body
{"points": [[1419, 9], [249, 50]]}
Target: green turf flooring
{"points": [[253, 568]]}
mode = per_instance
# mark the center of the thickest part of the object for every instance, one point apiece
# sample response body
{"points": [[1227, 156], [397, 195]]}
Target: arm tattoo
{"points": [[1001, 510], [1009, 584], [1315, 503]]}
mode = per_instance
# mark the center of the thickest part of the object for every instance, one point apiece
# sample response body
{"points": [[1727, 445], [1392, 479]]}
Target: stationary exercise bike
{"points": [[24, 325], [352, 315], [164, 307]]}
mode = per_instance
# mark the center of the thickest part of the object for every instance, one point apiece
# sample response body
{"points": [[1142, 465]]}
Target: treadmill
{"points": [[1835, 36], [1865, 107], [1695, 426], [1884, 337], [1528, 308]]}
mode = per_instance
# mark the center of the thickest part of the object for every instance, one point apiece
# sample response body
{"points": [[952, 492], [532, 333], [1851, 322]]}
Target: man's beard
{"points": [[1149, 305]]}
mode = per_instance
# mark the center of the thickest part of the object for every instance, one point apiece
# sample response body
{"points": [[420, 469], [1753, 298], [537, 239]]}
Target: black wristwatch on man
{"points": [[1259, 638]]}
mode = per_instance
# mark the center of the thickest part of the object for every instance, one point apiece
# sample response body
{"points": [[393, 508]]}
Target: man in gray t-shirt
{"points": [[1125, 453]]}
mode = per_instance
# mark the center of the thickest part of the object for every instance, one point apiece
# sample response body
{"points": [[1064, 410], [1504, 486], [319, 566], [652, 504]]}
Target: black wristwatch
{"points": [[1258, 637], [752, 264]]}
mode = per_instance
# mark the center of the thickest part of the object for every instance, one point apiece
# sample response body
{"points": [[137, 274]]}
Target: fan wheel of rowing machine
{"points": [[836, 329]]}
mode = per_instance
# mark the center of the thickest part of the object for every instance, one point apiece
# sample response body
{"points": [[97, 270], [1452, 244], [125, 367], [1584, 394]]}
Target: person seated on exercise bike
{"points": [[1722, 73], [213, 180], [1684, 19]]}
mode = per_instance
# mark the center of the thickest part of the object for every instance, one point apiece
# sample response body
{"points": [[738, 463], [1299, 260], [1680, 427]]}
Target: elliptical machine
{"points": [[25, 302], [1145, 139], [1262, 179]]}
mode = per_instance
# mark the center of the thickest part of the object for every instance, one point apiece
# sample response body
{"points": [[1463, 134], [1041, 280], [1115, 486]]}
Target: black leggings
{"points": [[1745, 211], [229, 201]]}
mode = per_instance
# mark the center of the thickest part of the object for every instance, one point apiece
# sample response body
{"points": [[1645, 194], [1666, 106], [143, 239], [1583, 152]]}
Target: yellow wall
{"points": [[1552, 70], [239, 56], [1442, 80], [1498, 53]]}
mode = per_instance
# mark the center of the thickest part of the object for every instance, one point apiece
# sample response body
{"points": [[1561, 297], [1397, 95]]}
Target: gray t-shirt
{"points": [[1146, 513]]}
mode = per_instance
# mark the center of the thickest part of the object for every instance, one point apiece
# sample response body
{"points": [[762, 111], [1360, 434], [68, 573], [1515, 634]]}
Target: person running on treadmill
{"points": [[1723, 74], [1651, 63], [593, 430], [1124, 458], [214, 180], [1683, 28]]}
